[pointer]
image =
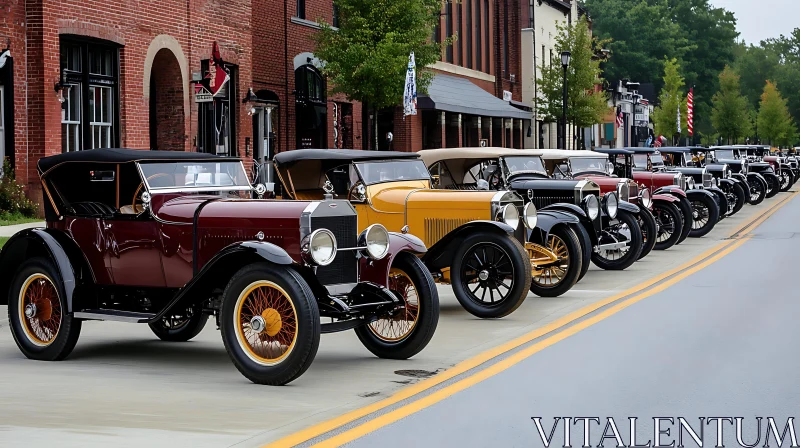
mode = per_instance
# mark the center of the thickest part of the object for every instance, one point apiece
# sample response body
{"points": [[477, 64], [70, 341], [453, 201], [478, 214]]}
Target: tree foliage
{"points": [[586, 105], [367, 56], [671, 98], [730, 115], [775, 124]]}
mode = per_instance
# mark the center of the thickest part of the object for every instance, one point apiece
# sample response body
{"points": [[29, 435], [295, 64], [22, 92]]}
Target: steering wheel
{"points": [[141, 186], [494, 179]]}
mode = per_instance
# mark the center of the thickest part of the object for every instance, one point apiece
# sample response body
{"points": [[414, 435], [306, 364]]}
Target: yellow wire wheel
{"points": [[399, 326], [554, 274], [40, 310], [265, 320]]}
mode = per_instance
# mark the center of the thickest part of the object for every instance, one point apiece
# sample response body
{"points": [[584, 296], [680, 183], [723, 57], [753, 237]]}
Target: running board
{"points": [[115, 316], [344, 325]]}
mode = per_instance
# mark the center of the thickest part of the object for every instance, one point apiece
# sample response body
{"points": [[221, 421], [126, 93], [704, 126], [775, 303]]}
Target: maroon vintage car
{"points": [[170, 238]]}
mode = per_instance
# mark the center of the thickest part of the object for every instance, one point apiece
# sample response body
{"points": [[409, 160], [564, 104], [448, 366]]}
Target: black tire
{"points": [[624, 220], [37, 312], [297, 305], [685, 208], [787, 180], [506, 264], [758, 190], [180, 328], [741, 198], [670, 222], [773, 184], [647, 223], [559, 278], [722, 203], [705, 215], [410, 280], [586, 250]]}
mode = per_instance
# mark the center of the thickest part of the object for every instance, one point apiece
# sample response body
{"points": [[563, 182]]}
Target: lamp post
{"points": [[565, 57]]}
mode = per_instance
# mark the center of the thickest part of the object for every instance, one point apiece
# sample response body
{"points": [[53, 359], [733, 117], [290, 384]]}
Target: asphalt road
{"points": [[712, 340], [721, 342]]}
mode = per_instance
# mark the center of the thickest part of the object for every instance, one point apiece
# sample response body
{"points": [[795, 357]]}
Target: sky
{"points": [[757, 20]]}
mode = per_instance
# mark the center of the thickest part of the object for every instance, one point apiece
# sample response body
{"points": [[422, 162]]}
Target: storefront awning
{"points": [[459, 95]]}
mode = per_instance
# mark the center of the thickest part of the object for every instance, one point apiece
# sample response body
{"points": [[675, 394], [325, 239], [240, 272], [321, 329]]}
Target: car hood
{"points": [[398, 199], [242, 212]]}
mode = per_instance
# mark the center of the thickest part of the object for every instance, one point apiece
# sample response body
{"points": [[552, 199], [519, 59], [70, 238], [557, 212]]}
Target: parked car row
{"points": [[360, 238]]}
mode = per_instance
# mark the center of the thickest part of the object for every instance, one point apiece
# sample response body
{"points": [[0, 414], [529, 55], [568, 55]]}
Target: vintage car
{"points": [[759, 155], [164, 238], [523, 171], [670, 203], [475, 238], [761, 178], [596, 167], [733, 185]]}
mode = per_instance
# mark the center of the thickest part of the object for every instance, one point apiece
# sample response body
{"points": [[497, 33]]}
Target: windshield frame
{"points": [[576, 172], [357, 166], [508, 171], [194, 189]]}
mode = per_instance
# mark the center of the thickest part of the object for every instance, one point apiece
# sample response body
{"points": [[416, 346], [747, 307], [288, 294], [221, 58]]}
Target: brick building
{"points": [[86, 73]]}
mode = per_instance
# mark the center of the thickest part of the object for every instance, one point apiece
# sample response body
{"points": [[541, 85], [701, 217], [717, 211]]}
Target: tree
{"points": [[367, 56], [774, 122], [729, 115], [586, 105], [672, 97]]}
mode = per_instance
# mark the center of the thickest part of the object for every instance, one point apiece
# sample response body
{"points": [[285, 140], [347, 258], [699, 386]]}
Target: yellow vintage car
{"points": [[474, 238]]}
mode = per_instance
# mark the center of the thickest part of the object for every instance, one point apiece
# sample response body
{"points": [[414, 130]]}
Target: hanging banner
{"points": [[410, 92]]}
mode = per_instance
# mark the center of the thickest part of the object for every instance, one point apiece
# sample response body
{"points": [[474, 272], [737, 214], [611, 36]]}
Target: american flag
{"points": [[620, 119], [690, 113]]}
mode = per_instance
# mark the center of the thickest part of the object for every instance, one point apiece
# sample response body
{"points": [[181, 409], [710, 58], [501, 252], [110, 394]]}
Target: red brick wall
{"points": [[170, 118]]}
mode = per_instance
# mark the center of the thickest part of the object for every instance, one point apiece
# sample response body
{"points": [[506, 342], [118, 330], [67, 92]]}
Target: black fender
{"points": [[578, 212], [739, 176], [697, 194], [628, 207], [755, 177], [546, 221], [726, 182], [73, 269], [440, 255], [722, 200]]}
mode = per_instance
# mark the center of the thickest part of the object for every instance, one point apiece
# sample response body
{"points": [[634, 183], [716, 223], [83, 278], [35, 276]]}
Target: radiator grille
{"points": [[707, 177], [633, 190], [437, 228], [544, 201], [344, 268]]}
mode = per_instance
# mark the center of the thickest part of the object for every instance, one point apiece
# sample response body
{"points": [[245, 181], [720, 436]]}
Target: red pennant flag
{"points": [[690, 114]]}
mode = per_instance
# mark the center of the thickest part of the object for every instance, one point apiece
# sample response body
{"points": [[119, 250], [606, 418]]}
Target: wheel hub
{"points": [[483, 275], [273, 321], [30, 310], [695, 214], [257, 324]]}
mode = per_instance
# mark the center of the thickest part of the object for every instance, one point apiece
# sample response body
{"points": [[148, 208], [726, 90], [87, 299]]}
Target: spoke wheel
{"points": [[623, 229], [266, 323], [40, 310], [555, 273], [487, 274], [614, 234], [398, 326], [701, 215], [669, 223]]}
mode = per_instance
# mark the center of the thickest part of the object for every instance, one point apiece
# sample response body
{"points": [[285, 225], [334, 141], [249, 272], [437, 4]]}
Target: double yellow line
{"points": [[638, 293]]}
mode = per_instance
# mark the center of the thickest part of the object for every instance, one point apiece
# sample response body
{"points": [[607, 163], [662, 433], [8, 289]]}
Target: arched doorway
{"points": [[312, 107], [167, 120]]}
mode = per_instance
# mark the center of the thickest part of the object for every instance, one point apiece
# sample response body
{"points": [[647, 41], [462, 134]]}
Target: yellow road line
{"points": [[471, 363], [422, 403]]}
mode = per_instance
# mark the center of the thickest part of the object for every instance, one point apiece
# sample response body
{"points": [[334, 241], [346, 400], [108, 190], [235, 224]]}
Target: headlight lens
{"points": [[611, 204], [647, 199], [592, 207], [623, 191], [714, 181], [690, 183], [510, 215], [531, 216], [376, 239], [322, 247], [676, 180]]}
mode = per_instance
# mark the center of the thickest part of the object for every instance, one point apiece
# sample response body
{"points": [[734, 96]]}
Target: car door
{"points": [[134, 250]]}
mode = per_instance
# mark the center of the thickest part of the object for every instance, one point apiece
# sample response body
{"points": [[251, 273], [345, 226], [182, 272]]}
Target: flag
{"points": [[659, 141], [690, 112], [679, 118], [218, 75], [620, 118], [410, 92]]}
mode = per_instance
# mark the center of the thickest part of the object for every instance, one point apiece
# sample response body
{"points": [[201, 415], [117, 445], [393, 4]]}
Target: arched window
{"points": [[312, 108]]}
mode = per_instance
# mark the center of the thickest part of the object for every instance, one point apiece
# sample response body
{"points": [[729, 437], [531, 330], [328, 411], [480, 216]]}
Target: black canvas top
{"points": [[120, 155], [343, 155], [613, 151]]}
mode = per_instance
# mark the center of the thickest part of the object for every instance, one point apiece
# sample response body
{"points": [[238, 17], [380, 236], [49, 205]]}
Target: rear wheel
{"points": [[685, 207], [270, 323], [741, 197], [406, 330], [37, 313], [773, 184], [705, 214], [758, 190], [670, 223], [647, 223], [555, 279], [787, 179], [625, 229], [491, 274], [180, 327], [586, 250]]}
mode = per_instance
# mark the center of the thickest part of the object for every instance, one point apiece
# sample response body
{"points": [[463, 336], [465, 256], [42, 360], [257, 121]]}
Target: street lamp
{"points": [[565, 57]]}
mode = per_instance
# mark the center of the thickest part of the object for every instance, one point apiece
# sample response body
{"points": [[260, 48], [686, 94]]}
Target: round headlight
{"points": [[690, 183], [531, 216], [611, 204], [647, 199], [592, 207], [510, 215], [676, 179], [322, 247], [376, 239], [714, 182]]}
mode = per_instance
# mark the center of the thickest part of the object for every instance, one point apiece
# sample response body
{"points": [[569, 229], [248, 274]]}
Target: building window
{"points": [[335, 15], [505, 38], [311, 108], [448, 29], [89, 116], [469, 34], [459, 32], [487, 23], [530, 14], [478, 52], [217, 119], [301, 9]]}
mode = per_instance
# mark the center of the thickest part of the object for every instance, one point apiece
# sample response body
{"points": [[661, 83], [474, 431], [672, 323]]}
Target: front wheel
{"points": [[670, 223], [586, 250], [406, 330], [180, 327], [558, 277], [739, 197], [491, 274], [625, 229], [773, 184], [787, 180], [269, 323], [685, 207], [647, 223], [705, 212], [758, 190]]}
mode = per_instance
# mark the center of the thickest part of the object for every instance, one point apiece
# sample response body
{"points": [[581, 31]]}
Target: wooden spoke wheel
{"points": [[40, 310], [398, 326], [266, 323]]}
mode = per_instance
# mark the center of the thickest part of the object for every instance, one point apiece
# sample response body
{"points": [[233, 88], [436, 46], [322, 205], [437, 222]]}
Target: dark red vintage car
{"points": [[170, 238]]}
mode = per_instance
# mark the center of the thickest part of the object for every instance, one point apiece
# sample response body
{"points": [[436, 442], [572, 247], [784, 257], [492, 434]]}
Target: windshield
{"points": [[657, 160], [392, 171], [519, 164], [724, 154], [640, 160], [581, 164], [195, 176]]}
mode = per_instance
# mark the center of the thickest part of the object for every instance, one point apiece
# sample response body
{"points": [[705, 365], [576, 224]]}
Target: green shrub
{"points": [[12, 196]]}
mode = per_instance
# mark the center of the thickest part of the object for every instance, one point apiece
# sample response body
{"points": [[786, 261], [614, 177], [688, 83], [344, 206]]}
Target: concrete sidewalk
{"points": [[11, 230]]}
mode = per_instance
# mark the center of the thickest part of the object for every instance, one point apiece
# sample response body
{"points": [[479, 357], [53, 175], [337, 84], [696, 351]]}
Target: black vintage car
{"points": [[758, 174], [523, 171]]}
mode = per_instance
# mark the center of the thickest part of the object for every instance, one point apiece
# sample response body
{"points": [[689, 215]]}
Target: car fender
{"points": [[698, 194], [440, 255], [579, 213], [665, 197], [755, 177], [628, 207], [546, 221], [739, 176], [377, 271], [671, 189], [72, 267], [728, 182]]}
